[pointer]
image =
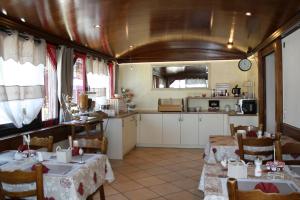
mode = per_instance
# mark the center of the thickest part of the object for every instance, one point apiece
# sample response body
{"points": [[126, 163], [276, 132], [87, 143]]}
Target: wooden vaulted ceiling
{"points": [[158, 30]]}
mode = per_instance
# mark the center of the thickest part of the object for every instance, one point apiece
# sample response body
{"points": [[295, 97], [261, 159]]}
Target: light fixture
{"points": [[248, 13], [97, 26], [23, 19], [229, 45], [130, 46], [4, 11]]}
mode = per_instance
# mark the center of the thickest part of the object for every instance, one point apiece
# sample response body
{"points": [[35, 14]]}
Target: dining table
{"points": [[222, 147], [75, 180], [214, 180]]}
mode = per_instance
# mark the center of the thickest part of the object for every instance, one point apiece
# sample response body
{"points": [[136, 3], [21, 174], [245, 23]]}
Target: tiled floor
{"points": [[158, 174]]}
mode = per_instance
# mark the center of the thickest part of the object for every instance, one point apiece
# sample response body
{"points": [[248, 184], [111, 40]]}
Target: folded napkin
{"points": [[22, 148], [251, 134], [45, 169], [267, 187]]}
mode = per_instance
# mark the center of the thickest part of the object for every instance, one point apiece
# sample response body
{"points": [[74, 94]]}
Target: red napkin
{"points": [[22, 148], [45, 169], [75, 151], [267, 187], [251, 134]]}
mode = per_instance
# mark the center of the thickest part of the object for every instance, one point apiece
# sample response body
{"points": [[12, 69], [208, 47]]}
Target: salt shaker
{"points": [[258, 170]]}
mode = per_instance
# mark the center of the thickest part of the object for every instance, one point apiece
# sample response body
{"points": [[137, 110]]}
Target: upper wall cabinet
{"points": [[291, 80]]}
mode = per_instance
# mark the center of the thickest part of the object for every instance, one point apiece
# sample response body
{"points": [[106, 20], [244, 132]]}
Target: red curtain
{"points": [[83, 57], [112, 78], [51, 51]]}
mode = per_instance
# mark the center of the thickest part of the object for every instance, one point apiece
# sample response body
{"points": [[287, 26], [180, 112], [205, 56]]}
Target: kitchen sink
{"points": [[284, 186]]}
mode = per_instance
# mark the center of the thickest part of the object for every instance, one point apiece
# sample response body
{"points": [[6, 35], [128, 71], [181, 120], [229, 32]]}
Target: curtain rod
{"points": [[12, 23]]}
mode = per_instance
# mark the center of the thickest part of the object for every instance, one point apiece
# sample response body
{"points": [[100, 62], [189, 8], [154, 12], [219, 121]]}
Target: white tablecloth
{"points": [[70, 181]]}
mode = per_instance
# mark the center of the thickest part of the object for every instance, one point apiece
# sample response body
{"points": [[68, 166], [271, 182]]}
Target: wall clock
{"points": [[245, 64]]}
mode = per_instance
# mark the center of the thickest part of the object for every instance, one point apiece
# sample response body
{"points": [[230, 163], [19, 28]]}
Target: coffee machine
{"points": [[248, 106]]}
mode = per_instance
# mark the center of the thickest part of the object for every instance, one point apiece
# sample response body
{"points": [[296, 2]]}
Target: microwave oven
{"points": [[248, 106]]}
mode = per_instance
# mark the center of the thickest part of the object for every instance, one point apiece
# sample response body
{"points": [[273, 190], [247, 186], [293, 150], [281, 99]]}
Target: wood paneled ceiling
{"points": [[158, 30]]}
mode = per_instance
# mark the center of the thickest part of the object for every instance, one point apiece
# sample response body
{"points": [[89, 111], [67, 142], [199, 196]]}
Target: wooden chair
{"points": [[255, 142], [93, 145], [46, 142], [289, 148], [233, 129], [235, 194], [21, 177]]}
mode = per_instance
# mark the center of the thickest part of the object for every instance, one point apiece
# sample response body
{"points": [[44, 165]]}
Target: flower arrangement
{"points": [[127, 95]]}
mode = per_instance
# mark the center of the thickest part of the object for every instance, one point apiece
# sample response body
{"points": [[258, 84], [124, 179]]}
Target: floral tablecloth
{"points": [[226, 147], [70, 181], [213, 180]]}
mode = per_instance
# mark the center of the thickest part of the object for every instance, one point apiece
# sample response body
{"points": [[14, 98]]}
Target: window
{"points": [[78, 79], [50, 107]]}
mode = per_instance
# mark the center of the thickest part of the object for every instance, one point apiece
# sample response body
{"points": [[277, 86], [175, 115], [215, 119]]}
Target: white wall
{"points": [[139, 80]]}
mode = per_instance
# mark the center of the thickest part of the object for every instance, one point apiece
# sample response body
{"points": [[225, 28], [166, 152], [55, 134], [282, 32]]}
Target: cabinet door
{"points": [[189, 129], [129, 133], [210, 124], [150, 128], [171, 128]]}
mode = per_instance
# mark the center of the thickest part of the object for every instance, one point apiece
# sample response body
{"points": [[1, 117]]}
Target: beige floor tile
{"points": [[165, 189], [190, 172], [159, 198], [184, 195], [138, 175], [127, 169], [150, 181], [157, 170], [197, 192], [108, 190], [126, 186], [141, 194], [186, 183], [120, 178], [116, 197], [173, 176]]}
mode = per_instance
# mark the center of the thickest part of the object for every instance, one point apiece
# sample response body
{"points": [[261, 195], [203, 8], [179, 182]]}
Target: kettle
{"points": [[236, 91]]}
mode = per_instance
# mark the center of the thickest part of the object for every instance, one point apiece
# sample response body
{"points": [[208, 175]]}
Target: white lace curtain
{"points": [[97, 79], [22, 62]]}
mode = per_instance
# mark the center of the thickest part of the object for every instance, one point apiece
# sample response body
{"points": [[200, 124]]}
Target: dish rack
{"points": [[170, 105]]}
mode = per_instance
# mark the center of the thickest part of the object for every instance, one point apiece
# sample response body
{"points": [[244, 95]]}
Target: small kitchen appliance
{"points": [[248, 106], [213, 105]]}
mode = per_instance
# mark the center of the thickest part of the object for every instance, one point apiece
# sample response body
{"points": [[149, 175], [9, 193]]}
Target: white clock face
{"points": [[245, 64]]}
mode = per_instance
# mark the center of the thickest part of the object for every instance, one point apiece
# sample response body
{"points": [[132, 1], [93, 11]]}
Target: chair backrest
{"points": [[92, 145], [253, 143], [22, 177], [233, 129], [235, 194], [46, 142], [288, 148]]}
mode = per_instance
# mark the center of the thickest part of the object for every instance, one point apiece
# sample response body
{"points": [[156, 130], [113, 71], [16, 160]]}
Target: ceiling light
{"points": [[131, 46], [97, 26], [22, 19], [248, 13], [229, 45], [4, 11]]}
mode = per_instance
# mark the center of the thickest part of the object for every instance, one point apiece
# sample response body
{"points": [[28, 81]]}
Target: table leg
{"points": [[101, 190]]}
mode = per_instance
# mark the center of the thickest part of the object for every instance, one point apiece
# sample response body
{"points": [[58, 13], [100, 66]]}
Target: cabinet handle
{"points": [[200, 119], [140, 117]]}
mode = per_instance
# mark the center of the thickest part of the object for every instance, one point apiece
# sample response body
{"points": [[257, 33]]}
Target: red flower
{"points": [[237, 152], [95, 177], [214, 150], [80, 189]]}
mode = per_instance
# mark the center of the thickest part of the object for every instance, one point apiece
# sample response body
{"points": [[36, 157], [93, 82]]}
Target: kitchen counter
{"points": [[126, 114]]}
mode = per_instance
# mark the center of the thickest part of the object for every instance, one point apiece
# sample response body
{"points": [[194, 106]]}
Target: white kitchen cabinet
{"points": [[210, 124], [189, 129], [121, 134], [171, 128], [150, 126]]}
